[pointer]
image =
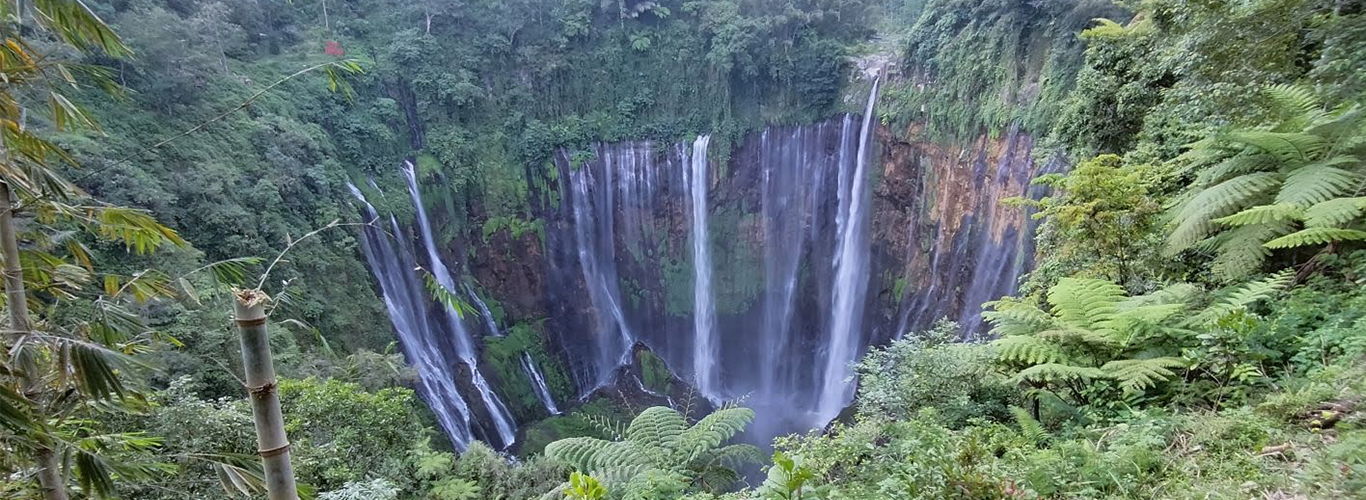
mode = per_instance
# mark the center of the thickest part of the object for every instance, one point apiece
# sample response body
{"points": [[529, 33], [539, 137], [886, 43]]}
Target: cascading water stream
{"points": [[851, 277], [538, 384], [594, 238], [402, 293], [704, 308], [484, 312], [498, 413]]}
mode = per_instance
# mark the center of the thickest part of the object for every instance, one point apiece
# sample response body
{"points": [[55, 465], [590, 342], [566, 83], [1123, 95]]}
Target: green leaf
{"points": [[1316, 236]]}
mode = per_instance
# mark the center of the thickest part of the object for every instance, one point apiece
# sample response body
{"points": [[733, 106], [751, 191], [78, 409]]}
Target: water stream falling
{"points": [[704, 307], [499, 414], [405, 299], [763, 278], [851, 278], [538, 384], [489, 324]]}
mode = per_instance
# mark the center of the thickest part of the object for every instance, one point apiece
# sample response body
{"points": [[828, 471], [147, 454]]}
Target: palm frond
{"points": [[78, 26]]}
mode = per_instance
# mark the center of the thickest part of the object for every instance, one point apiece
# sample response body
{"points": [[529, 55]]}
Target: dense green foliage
{"points": [[1195, 326]]}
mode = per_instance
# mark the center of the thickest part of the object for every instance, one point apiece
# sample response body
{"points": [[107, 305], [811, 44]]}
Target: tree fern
{"points": [[1274, 186], [659, 441], [1263, 214], [1015, 318], [1085, 302], [1058, 372], [1195, 218], [657, 426], [1242, 250], [1297, 104], [1094, 332], [714, 429]]}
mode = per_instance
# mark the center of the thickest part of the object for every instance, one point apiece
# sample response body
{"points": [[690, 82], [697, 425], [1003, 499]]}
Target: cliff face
{"points": [[615, 268], [942, 230]]}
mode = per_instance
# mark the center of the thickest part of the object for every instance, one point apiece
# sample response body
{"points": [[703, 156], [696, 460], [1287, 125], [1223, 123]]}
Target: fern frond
{"points": [[1263, 214], [1297, 103], [712, 430], [586, 453], [1138, 375], [1318, 182], [1102, 337], [1057, 372], [1335, 212], [1194, 218], [1143, 318], [1316, 236], [1240, 251], [1236, 165], [1085, 302], [616, 478], [1030, 428], [1242, 296], [734, 456], [658, 426], [1179, 293], [1025, 349], [1289, 147], [1015, 318]]}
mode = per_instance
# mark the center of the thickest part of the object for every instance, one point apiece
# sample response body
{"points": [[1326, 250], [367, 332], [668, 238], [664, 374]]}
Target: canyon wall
{"points": [[613, 266]]}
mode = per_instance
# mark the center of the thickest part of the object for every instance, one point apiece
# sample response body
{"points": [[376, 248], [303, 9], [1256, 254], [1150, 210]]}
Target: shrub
{"points": [[928, 370]]}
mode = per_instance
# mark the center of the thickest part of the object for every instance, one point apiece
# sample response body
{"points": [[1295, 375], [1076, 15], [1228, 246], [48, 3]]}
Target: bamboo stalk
{"points": [[271, 442], [50, 478]]}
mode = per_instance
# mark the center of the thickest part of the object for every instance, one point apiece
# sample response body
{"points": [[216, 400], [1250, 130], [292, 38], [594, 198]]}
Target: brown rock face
{"points": [[942, 231]]}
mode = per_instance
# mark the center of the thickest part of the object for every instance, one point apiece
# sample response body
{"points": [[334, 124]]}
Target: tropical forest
{"points": [[682, 249]]}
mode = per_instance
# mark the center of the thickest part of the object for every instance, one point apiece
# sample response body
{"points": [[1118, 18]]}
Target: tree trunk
{"points": [[271, 442], [50, 474], [49, 461], [14, 271]]}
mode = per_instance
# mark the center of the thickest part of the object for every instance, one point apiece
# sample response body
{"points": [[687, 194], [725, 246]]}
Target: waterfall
{"points": [[851, 278], [595, 242], [404, 298], [498, 413], [538, 384], [704, 308], [490, 325]]}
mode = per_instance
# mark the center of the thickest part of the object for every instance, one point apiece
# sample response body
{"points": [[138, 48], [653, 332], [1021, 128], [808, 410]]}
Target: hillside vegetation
{"points": [[1194, 326]]}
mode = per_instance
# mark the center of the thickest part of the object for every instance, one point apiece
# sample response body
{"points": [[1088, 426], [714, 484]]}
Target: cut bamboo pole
{"points": [[271, 442]]}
